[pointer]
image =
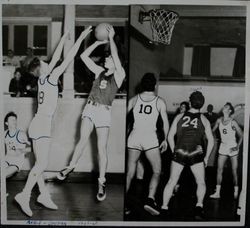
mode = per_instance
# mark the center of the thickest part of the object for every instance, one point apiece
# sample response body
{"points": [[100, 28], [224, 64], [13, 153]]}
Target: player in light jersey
{"points": [[147, 108], [16, 143], [229, 147], [190, 128], [97, 111], [40, 126]]}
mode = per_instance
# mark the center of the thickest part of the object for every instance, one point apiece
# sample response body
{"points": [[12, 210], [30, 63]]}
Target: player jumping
{"points": [[40, 126]]}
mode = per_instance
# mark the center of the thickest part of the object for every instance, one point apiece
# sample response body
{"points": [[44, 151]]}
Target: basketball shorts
{"points": [[40, 126], [17, 161], [225, 149], [189, 158], [142, 141], [99, 114]]}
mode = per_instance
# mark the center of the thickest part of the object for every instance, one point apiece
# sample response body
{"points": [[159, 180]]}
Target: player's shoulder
{"points": [[179, 116], [204, 119], [21, 135], [161, 101]]}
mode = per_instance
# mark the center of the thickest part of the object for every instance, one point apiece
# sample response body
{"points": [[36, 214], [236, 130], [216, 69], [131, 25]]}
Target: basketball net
{"points": [[162, 25]]}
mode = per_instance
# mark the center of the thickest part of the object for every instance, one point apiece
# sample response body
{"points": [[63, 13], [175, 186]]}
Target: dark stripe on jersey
{"points": [[18, 139], [50, 82], [8, 133], [147, 101]]}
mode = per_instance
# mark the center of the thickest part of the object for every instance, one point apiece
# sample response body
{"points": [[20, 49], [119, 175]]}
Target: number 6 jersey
{"points": [[190, 131], [145, 115]]}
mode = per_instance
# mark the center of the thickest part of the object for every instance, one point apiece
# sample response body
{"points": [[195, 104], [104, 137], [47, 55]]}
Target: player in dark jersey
{"points": [[97, 111], [190, 129], [40, 126]]}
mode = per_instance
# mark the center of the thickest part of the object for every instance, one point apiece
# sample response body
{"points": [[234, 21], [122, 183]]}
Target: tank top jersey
{"points": [[190, 132], [47, 97], [104, 89], [227, 133], [145, 115], [13, 142]]}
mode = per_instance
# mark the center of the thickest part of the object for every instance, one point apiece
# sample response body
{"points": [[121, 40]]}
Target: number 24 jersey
{"points": [[190, 131]]}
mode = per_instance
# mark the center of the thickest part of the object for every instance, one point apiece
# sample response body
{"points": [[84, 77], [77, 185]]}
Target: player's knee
{"points": [[157, 172]]}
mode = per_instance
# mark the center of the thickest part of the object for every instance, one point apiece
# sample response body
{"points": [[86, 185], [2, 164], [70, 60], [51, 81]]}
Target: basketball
{"points": [[101, 32]]}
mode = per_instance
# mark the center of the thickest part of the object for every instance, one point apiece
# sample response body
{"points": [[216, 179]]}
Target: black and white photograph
{"points": [[125, 113], [64, 97], [185, 123]]}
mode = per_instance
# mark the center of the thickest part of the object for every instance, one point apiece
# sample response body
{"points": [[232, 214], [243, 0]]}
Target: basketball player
{"points": [[16, 143], [97, 112], [40, 127], [229, 147], [147, 108], [190, 129]]}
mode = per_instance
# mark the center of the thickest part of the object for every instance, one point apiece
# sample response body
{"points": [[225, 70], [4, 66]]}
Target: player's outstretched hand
{"points": [[234, 149], [163, 146], [205, 161], [86, 32], [111, 32]]}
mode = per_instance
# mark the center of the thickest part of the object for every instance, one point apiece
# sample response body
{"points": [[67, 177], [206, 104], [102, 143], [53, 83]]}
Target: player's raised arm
{"points": [[120, 73], [57, 54], [92, 66], [161, 104], [56, 73], [172, 132], [209, 136]]}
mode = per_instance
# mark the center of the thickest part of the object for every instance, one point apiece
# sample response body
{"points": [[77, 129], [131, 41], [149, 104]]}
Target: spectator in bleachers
{"points": [[11, 59], [27, 59], [16, 87]]}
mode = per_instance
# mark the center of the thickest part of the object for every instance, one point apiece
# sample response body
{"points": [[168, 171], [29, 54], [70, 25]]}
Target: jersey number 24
{"points": [[188, 122]]}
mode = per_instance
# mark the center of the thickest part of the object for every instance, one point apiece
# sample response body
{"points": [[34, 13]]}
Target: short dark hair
{"points": [[34, 64], [148, 82], [231, 107], [197, 100], [186, 104], [9, 115], [18, 69]]}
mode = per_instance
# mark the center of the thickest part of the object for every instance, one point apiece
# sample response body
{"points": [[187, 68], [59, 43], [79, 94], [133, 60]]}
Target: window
{"points": [[40, 40], [5, 39], [20, 39]]}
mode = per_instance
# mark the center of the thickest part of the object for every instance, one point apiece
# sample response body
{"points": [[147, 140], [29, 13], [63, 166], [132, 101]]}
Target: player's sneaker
{"points": [[64, 173], [199, 213], [46, 201], [101, 194], [216, 195], [164, 213], [151, 207], [24, 201]]}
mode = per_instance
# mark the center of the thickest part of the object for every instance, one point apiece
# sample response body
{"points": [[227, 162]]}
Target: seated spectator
{"points": [[11, 60], [27, 59], [29, 81], [16, 85]]}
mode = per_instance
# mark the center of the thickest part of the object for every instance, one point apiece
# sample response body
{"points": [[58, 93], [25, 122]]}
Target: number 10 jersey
{"points": [[145, 115]]}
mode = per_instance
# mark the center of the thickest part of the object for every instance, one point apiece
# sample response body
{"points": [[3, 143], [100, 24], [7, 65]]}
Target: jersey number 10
{"points": [[147, 109]]}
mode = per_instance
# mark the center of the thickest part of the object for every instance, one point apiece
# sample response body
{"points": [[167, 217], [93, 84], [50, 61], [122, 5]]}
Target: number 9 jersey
{"points": [[190, 132]]}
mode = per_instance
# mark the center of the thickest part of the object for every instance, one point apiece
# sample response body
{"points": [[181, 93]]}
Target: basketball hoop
{"points": [[162, 24]]}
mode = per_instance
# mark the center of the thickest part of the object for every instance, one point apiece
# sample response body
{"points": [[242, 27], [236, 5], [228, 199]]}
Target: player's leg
{"points": [[41, 151], [133, 157], [198, 171], [234, 162], [175, 172], [86, 129], [220, 165], [10, 170], [139, 170], [102, 140], [154, 158]]}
